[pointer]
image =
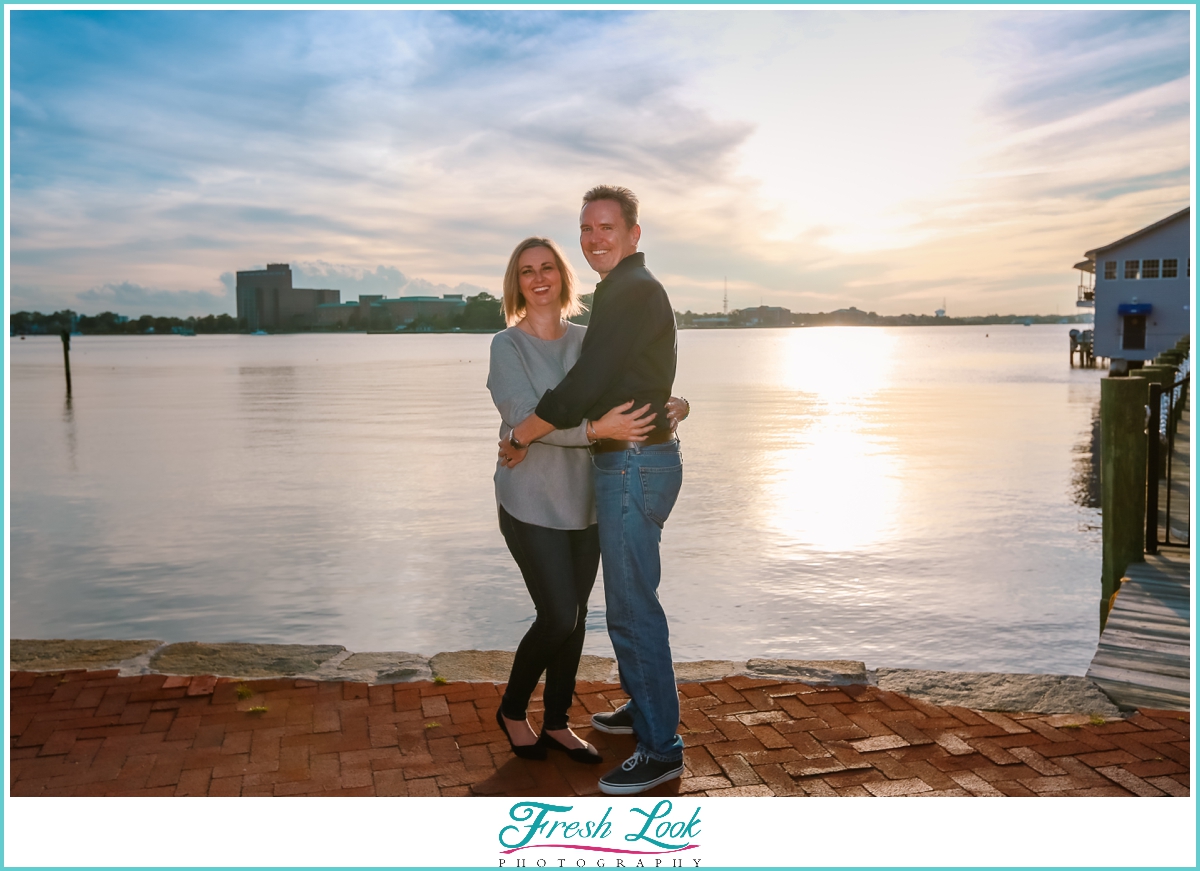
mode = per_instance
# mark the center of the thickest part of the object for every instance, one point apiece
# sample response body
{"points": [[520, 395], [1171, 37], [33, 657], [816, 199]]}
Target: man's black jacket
{"points": [[629, 351]]}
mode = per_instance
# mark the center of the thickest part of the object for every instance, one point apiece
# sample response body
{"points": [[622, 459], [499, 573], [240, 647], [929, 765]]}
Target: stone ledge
{"points": [[237, 659], [992, 691], [819, 672], [61, 654], [707, 669], [378, 668], [495, 665], [986, 691]]}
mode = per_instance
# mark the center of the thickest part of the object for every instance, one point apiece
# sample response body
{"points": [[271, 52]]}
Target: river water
{"points": [[910, 497]]}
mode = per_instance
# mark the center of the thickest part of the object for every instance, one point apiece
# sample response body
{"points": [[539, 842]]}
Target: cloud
{"points": [[386, 280], [133, 299], [1070, 63], [354, 138], [799, 152], [129, 298]]}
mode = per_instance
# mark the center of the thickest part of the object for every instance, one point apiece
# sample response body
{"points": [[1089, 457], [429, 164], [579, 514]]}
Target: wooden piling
{"points": [[1170, 358], [66, 340], [1164, 376], [1160, 373], [1122, 481]]}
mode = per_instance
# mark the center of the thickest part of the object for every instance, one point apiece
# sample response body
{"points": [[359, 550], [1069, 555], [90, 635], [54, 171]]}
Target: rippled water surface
{"points": [[909, 497]]}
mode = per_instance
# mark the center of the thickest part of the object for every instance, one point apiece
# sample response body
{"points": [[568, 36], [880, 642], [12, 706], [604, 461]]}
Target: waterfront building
{"points": [[1141, 291], [336, 314], [767, 316], [374, 311], [406, 309], [266, 299]]}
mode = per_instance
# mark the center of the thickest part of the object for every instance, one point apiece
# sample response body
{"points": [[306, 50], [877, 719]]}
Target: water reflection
{"points": [[901, 496], [1085, 480], [836, 491], [272, 405], [68, 417], [834, 479], [838, 365]]}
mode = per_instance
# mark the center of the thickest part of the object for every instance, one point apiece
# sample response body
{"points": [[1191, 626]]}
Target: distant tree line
{"points": [[484, 313], [775, 316], [111, 323]]}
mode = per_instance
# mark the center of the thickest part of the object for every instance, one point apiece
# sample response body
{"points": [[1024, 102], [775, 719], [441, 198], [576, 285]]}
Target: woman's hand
{"points": [[678, 409], [624, 425], [508, 456]]}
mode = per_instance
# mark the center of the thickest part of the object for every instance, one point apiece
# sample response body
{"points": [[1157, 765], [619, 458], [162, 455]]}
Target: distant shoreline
{"points": [[877, 321]]}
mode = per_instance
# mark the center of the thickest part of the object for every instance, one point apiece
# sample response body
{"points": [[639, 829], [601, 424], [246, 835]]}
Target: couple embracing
{"points": [[589, 467]]}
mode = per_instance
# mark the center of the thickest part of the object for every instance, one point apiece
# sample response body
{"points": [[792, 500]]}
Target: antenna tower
{"points": [[725, 305]]}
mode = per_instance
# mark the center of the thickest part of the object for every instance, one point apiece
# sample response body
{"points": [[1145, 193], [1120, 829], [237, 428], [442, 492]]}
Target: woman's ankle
{"points": [[520, 733]]}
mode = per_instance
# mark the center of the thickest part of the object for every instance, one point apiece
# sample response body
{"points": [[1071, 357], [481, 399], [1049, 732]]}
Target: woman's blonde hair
{"points": [[514, 302]]}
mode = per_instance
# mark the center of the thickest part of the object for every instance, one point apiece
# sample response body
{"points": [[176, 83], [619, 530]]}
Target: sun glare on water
{"points": [[832, 478]]}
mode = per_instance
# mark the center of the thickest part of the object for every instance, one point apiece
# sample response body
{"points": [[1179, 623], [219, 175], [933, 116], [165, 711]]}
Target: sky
{"points": [[811, 159]]}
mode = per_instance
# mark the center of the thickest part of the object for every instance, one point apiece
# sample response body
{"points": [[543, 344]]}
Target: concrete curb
{"points": [[985, 691]]}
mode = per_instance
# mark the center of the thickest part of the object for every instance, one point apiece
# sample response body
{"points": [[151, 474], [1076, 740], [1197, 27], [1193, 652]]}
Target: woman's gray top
{"points": [[552, 487]]}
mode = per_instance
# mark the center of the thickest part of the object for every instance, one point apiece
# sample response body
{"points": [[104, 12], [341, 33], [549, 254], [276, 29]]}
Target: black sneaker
{"points": [[619, 722], [639, 773]]}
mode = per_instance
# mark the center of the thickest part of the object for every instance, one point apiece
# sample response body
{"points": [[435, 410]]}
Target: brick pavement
{"points": [[94, 733]]}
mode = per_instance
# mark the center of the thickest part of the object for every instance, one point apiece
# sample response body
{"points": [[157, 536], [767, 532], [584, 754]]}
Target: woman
{"points": [[546, 503]]}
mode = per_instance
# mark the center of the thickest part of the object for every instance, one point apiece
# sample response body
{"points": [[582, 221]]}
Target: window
{"points": [[1170, 269], [1131, 269], [1149, 269], [1110, 270]]}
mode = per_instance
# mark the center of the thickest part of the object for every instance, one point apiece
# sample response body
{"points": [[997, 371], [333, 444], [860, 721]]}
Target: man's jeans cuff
{"points": [[658, 757]]}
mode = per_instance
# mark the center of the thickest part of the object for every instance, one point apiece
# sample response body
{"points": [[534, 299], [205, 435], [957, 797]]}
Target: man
{"points": [[629, 353]]}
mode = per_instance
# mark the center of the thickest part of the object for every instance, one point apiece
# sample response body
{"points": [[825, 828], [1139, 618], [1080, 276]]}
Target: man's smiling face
{"points": [[603, 236]]}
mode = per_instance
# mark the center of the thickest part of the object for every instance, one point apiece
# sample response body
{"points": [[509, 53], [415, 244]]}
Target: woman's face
{"points": [[541, 281]]}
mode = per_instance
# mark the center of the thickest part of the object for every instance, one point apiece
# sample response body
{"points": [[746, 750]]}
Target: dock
{"points": [[1144, 655]]}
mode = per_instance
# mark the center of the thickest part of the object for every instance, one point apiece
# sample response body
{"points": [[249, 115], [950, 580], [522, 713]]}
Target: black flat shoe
{"points": [[586, 754], [525, 751]]}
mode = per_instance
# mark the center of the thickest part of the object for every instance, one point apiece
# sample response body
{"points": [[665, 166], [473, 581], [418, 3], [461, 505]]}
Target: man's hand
{"points": [[625, 423], [678, 409], [509, 456]]}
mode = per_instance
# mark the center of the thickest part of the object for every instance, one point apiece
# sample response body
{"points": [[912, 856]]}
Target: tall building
{"points": [[267, 300]]}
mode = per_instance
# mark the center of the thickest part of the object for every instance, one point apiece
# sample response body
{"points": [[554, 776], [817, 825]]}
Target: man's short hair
{"points": [[623, 197]]}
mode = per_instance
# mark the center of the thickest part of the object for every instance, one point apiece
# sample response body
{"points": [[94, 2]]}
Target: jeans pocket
{"points": [[660, 489], [609, 464]]}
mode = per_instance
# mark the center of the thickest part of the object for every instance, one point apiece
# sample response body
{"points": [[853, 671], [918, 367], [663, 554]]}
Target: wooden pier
{"points": [[1144, 655]]}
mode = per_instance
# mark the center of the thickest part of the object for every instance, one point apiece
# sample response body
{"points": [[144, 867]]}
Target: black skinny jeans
{"points": [[559, 567]]}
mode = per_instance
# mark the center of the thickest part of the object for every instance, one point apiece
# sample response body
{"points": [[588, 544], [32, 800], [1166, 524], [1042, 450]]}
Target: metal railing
{"points": [[1164, 409]]}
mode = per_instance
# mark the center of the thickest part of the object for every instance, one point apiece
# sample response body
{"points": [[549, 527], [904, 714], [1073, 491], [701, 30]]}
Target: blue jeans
{"points": [[635, 492]]}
